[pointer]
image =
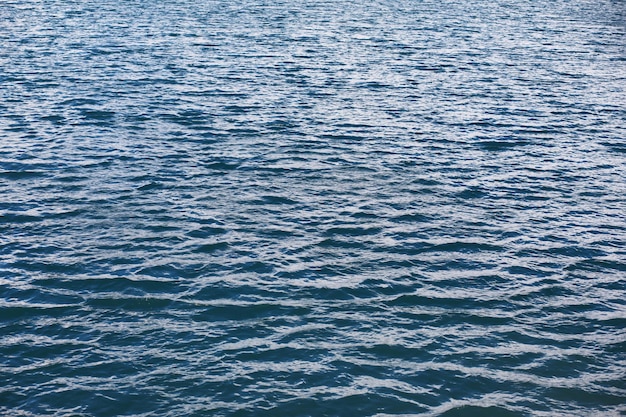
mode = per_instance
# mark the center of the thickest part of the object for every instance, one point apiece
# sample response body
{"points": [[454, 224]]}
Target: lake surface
{"points": [[313, 208]]}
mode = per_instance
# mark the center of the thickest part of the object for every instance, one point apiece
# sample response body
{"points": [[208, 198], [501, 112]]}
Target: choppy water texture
{"points": [[312, 208]]}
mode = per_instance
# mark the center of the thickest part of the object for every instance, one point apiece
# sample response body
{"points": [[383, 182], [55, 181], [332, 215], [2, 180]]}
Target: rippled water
{"points": [[324, 208]]}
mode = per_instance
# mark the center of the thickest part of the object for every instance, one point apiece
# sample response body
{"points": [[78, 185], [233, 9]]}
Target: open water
{"points": [[313, 208]]}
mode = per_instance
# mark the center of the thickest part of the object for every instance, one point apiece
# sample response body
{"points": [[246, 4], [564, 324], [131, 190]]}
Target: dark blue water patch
{"points": [[151, 186], [617, 348], [351, 231], [224, 165], [17, 218], [544, 290], [478, 411], [121, 285], [50, 267], [97, 115], [274, 200], [254, 267], [444, 302], [94, 400], [355, 403], [22, 174], [341, 243], [460, 247], [501, 145], [597, 265], [576, 327], [71, 178], [412, 218], [608, 323], [27, 312], [616, 147], [206, 232], [212, 247], [568, 367], [120, 302]]}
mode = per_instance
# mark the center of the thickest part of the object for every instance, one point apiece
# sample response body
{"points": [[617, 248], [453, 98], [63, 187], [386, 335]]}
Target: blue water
{"points": [[313, 208]]}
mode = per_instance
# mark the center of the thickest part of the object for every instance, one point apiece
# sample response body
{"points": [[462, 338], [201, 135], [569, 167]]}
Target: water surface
{"points": [[312, 208]]}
